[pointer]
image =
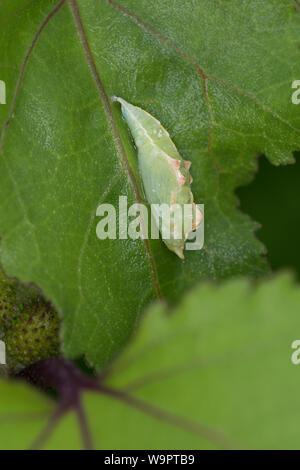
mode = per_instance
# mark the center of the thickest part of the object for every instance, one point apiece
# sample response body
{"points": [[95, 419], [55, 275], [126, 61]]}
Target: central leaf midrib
{"points": [[114, 129]]}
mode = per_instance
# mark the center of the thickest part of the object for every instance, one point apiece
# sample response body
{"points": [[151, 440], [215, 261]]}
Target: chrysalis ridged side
{"points": [[165, 175]]}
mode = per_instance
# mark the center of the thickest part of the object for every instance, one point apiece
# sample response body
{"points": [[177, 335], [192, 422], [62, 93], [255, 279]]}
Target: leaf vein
{"points": [[114, 130]]}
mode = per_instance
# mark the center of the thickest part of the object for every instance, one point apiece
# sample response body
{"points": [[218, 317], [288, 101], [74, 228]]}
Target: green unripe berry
{"points": [[29, 325], [32, 336], [8, 303]]}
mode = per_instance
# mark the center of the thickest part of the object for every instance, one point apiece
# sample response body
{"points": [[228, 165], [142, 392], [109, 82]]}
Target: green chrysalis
{"points": [[165, 175]]}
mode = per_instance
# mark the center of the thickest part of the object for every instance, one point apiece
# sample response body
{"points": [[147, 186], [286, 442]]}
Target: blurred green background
{"points": [[273, 200]]}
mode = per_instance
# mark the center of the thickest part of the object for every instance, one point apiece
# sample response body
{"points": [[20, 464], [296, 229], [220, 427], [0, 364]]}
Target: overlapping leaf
{"points": [[217, 373]]}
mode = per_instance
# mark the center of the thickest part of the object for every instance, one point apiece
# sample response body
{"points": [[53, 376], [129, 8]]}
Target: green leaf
{"points": [[215, 373], [218, 370], [220, 83], [23, 411]]}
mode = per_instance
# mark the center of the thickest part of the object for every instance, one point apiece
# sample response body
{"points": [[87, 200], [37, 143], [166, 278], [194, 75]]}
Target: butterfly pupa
{"points": [[165, 175]]}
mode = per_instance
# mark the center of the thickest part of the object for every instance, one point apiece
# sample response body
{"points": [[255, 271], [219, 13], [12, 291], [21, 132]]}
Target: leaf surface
{"points": [[23, 412], [217, 74]]}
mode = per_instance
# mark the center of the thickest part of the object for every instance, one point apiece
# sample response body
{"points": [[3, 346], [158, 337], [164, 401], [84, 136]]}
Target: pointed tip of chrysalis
{"points": [[119, 100], [177, 249], [179, 252]]}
